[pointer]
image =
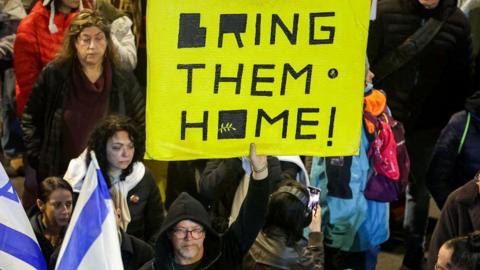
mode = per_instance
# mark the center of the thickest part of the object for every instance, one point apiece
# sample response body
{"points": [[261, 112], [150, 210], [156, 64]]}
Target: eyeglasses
{"points": [[181, 233]]}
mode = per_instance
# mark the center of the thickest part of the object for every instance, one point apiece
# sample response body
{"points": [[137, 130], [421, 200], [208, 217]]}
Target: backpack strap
{"points": [[413, 45], [464, 135], [385, 116], [370, 117]]}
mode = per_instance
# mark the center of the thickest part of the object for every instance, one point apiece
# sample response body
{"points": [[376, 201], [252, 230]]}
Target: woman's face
{"points": [[58, 209], [91, 45], [120, 150]]}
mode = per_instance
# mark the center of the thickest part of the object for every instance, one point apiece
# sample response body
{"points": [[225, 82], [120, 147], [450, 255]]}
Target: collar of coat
{"points": [[272, 250], [62, 72], [468, 196]]}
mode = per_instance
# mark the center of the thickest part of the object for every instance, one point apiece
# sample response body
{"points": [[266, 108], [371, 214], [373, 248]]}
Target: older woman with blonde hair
{"points": [[80, 87]]}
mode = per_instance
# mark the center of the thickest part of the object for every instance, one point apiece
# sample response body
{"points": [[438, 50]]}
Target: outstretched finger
{"points": [[253, 150]]}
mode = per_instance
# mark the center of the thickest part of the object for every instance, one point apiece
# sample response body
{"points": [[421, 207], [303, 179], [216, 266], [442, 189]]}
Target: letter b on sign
{"points": [[190, 34]]}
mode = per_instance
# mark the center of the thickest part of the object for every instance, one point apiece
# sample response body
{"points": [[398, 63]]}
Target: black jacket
{"points": [[144, 200], [183, 176], [135, 252], [146, 213], [221, 251], [426, 91], [43, 116], [477, 74]]}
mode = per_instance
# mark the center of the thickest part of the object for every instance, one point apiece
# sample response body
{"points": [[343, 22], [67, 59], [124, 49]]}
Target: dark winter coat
{"points": [[43, 116], [135, 252], [184, 176], [221, 251], [448, 169], [477, 73], [147, 213], [143, 200], [427, 90], [460, 216]]}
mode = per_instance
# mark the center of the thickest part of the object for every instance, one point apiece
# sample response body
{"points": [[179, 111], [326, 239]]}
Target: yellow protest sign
{"points": [[287, 75]]}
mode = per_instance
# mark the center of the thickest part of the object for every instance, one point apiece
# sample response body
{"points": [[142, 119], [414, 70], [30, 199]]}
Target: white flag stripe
{"points": [[9, 262], [90, 261], [19, 248], [91, 240]]}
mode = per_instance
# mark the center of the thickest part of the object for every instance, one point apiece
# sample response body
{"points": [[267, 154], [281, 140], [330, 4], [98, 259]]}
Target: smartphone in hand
{"points": [[314, 197]]}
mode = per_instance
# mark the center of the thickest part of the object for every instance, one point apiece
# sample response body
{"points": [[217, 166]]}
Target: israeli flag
{"points": [[91, 240], [19, 248]]}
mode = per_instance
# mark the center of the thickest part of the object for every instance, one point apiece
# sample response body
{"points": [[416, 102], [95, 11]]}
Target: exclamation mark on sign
{"points": [[330, 128]]}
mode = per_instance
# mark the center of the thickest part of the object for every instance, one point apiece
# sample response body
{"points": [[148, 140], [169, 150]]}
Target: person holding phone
{"points": [[280, 244]]}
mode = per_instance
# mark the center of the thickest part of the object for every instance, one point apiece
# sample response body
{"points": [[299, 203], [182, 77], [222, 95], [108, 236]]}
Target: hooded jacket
{"points": [[220, 251], [432, 86], [35, 47], [452, 166]]}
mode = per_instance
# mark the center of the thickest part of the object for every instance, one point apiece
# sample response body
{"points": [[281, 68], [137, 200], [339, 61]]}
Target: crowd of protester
{"points": [[73, 81]]}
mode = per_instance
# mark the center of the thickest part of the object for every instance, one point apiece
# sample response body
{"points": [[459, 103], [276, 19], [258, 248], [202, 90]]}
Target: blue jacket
{"points": [[449, 169], [351, 222]]}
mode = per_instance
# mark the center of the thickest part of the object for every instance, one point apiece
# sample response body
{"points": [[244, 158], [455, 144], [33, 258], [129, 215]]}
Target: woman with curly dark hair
{"points": [[119, 149]]}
